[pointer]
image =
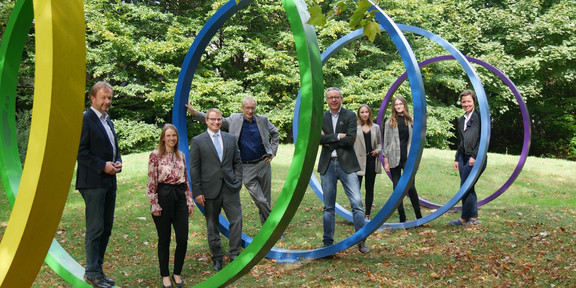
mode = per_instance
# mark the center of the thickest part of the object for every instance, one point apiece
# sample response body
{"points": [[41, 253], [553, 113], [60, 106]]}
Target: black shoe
{"points": [[217, 265], [363, 248], [178, 284], [97, 282], [109, 281]]}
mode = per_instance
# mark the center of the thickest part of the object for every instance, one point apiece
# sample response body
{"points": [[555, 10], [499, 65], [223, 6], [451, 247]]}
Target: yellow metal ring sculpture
{"points": [[54, 137]]}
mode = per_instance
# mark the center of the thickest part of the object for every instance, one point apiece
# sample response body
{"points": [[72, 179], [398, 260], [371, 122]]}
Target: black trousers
{"points": [[369, 184], [396, 173], [172, 199]]}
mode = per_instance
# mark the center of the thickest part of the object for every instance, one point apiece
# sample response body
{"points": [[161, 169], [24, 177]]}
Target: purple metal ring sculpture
{"points": [[523, 109]]}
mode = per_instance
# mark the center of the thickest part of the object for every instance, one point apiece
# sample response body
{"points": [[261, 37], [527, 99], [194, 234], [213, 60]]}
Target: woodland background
{"points": [[139, 46]]}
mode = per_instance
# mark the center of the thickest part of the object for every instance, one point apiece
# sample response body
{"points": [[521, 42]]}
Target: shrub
{"points": [[23, 119], [136, 136]]}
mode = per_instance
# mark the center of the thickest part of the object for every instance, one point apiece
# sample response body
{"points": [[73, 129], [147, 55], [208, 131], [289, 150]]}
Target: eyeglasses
{"points": [[251, 108], [215, 119], [332, 98]]}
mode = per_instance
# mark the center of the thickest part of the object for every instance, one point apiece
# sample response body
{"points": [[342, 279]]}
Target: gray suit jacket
{"points": [[344, 147], [209, 176], [233, 123], [392, 144]]}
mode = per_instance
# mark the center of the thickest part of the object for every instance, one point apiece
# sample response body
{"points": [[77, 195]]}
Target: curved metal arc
{"points": [[42, 193], [523, 110], [295, 185], [418, 89]]}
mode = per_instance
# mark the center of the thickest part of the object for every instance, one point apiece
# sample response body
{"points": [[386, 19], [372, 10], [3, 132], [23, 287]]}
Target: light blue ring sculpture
{"points": [[417, 86], [484, 113]]}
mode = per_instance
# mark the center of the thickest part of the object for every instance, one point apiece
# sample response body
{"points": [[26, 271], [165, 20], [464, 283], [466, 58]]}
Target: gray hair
{"points": [[334, 89]]}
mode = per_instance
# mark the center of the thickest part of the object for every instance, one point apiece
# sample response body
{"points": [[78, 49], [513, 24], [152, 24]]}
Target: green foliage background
{"points": [[138, 46]]}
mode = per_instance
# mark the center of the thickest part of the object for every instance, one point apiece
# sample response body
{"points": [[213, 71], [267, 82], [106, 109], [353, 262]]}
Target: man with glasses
{"points": [[338, 161], [216, 180], [258, 142]]}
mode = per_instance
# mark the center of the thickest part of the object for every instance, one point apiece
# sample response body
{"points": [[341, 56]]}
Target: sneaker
{"points": [[456, 222], [473, 222], [363, 248]]}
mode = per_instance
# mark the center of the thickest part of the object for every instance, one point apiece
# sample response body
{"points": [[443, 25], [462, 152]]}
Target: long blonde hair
{"points": [[162, 145], [394, 116]]}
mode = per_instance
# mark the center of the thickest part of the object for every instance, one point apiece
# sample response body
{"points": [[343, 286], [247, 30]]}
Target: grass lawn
{"points": [[527, 236]]}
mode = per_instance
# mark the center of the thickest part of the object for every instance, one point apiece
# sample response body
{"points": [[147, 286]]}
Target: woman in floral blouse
{"points": [[171, 201]]}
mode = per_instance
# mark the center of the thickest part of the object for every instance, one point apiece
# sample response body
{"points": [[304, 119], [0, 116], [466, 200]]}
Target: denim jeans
{"points": [[100, 205], [469, 200], [351, 188]]}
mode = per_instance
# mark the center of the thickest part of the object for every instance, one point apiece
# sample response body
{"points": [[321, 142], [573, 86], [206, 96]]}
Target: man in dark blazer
{"points": [[258, 141], [98, 163], [338, 161], [216, 180]]}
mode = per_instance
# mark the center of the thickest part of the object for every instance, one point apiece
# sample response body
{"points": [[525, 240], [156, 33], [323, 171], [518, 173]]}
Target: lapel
{"points": [[360, 135], [340, 122], [260, 126], [226, 145], [328, 122], [100, 125], [209, 143]]}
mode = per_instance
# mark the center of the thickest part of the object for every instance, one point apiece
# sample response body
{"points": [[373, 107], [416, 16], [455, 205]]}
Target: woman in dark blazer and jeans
{"points": [[469, 135]]}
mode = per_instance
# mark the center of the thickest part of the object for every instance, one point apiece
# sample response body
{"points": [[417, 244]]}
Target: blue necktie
{"points": [[217, 146]]}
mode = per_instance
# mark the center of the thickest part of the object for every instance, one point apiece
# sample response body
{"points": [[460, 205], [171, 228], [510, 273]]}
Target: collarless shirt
{"points": [[104, 120], [250, 141]]}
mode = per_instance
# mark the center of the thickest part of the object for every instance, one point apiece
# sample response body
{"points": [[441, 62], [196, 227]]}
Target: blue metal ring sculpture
{"points": [[392, 201]]}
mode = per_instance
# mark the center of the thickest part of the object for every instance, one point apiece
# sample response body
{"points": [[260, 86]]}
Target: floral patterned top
{"points": [[166, 169]]}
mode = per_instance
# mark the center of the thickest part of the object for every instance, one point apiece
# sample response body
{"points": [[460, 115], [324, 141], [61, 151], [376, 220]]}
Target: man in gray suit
{"points": [[216, 180], [338, 161], [258, 142]]}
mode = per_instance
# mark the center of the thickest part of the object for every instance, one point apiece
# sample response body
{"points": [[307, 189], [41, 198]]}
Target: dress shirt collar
{"points": [[100, 115], [212, 133], [337, 114]]}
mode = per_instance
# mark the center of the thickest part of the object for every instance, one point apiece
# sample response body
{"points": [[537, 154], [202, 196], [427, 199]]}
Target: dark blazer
{"points": [[344, 147], [209, 176], [94, 151], [469, 139]]}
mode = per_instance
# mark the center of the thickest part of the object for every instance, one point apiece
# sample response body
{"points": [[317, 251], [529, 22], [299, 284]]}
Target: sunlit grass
{"points": [[526, 236]]}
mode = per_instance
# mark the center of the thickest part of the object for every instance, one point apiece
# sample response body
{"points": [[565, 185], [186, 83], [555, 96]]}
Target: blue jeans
{"points": [[351, 188], [469, 200], [100, 205]]}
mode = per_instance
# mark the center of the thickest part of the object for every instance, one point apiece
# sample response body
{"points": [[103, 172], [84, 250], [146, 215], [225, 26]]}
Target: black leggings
{"points": [[369, 184], [172, 199], [412, 194]]}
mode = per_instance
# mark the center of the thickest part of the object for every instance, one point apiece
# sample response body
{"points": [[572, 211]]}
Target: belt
{"points": [[253, 161], [333, 158]]}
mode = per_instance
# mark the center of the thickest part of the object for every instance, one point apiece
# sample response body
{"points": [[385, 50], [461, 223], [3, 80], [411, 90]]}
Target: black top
{"points": [[404, 136], [368, 141]]}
